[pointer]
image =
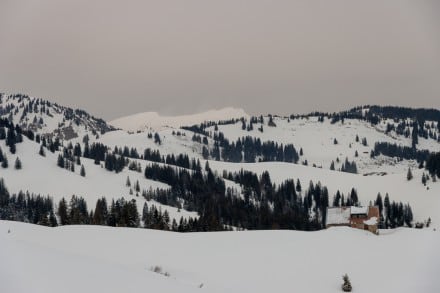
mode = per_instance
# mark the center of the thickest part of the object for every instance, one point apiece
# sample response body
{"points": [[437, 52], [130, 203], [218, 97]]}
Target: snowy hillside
{"points": [[324, 145], [42, 176], [216, 171], [102, 259], [50, 119], [317, 139], [154, 121]]}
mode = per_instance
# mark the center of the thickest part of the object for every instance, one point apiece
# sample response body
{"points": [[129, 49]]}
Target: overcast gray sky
{"points": [[115, 58]]}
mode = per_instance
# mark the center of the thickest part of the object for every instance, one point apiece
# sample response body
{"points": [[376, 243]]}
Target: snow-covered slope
{"points": [[387, 175], [424, 200], [317, 139], [41, 175], [50, 119], [102, 259], [154, 121]]}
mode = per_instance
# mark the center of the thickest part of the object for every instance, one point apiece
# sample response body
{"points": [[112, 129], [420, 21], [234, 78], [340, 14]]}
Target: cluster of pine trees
{"points": [[26, 207], [154, 218], [393, 214], [393, 112], [250, 149], [351, 200], [11, 134], [398, 151], [349, 167], [262, 206]]}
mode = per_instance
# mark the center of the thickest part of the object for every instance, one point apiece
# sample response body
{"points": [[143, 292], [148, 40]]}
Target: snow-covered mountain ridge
{"points": [[154, 121], [316, 147], [50, 119]]}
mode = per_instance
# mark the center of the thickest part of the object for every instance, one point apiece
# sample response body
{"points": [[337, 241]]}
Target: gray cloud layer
{"points": [[114, 58]]}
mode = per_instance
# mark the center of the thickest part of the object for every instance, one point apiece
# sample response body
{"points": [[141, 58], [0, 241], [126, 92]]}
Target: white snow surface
{"points": [[103, 259], [154, 121], [372, 221]]}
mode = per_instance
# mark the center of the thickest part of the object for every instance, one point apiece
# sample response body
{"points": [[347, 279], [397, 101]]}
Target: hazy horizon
{"points": [[115, 59]]}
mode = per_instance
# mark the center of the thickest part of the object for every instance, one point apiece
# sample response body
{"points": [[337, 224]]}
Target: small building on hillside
{"points": [[365, 218]]}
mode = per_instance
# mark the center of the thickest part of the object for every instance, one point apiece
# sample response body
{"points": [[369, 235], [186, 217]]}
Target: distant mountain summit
{"points": [[50, 119], [154, 121]]}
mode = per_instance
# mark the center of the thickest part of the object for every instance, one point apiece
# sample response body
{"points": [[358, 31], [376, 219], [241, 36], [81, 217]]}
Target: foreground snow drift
{"points": [[103, 259]]}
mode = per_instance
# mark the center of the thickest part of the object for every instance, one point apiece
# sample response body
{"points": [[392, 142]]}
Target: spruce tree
{"points": [[12, 148], [42, 152], [298, 185], [52, 219], [17, 164], [60, 161], [62, 212], [137, 187], [409, 174], [82, 171], [414, 135], [5, 162], [346, 287], [424, 179], [364, 141]]}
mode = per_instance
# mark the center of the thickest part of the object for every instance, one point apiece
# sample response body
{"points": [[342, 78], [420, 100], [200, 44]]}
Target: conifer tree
{"points": [[17, 164], [332, 166], [298, 185], [12, 148], [60, 161], [157, 139], [52, 219], [62, 212], [415, 135], [82, 172], [42, 152], [5, 162], [364, 141], [409, 174], [424, 179], [346, 287]]}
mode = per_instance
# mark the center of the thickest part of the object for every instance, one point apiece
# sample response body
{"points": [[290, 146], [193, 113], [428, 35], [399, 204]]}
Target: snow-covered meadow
{"points": [[103, 259]]}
